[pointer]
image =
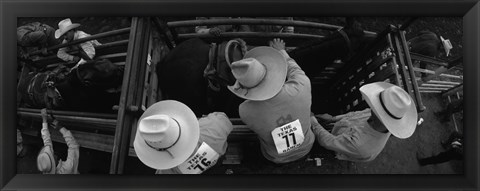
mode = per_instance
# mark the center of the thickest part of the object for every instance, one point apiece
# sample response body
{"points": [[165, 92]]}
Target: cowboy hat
{"points": [[64, 26], [46, 161], [167, 134], [260, 74], [393, 106], [447, 45]]}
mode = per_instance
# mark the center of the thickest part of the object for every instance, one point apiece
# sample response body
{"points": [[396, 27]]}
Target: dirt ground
{"points": [[398, 156]]}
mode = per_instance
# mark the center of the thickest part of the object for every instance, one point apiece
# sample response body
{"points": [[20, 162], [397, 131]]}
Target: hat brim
{"points": [[60, 32], [276, 67], [182, 149], [401, 128], [49, 153]]}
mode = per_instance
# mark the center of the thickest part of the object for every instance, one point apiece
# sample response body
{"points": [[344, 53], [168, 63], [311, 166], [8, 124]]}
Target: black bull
{"points": [[90, 87], [181, 72]]}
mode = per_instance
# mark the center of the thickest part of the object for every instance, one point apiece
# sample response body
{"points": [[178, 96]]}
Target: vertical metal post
{"points": [[131, 96], [416, 92]]}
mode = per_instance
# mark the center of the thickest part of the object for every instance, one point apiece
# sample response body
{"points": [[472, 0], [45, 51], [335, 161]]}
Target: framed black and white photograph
{"points": [[253, 95]]}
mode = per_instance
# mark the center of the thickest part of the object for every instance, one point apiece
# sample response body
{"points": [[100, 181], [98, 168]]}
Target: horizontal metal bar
{"points": [[92, 37], [123, 54], [252, 21], [71, 113], [454, 90], [430, 91], [430, 60], [250, 35]]}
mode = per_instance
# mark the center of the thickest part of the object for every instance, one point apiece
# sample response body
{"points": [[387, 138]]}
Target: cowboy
{"points": [[278, 99], [360, 136], [169, 138], [67, 32], [46, 159], [35, 35]]}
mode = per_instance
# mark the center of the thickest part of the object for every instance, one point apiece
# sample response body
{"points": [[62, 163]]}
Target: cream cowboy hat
{"points": [[447, 45], [64, 26], [393, 106], [260, 74], [46, 161], [167, 134]]}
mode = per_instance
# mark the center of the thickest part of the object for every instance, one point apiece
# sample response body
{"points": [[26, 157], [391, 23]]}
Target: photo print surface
{"points": [[239, 95]]}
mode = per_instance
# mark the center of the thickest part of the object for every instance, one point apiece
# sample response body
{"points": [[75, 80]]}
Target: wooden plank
{"points": [[428, 88], [437, 85], [444, 82]]}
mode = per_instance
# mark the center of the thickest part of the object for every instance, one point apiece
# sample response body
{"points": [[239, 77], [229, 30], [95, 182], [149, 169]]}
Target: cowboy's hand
{"points": [[44, 114], [55, 124], [215, 31], [277, 44], [76, 59]]}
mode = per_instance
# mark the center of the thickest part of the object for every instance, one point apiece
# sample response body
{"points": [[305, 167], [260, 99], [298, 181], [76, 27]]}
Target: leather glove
{"points": [[76, 59], [215, 31]]}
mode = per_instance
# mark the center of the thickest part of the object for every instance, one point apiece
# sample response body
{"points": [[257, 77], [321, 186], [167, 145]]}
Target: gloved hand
{"points": [[44, 115], [76, 59], [215, 31]]}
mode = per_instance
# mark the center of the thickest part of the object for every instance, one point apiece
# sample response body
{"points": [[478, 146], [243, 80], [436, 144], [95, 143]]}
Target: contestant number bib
{"points": [[204, 158], [288, 137]]}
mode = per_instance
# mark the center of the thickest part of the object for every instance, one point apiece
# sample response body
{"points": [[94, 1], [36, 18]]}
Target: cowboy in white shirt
{"points": [[68, 31], [46, 158], [360, 136], [170, 139], [278, 102]]}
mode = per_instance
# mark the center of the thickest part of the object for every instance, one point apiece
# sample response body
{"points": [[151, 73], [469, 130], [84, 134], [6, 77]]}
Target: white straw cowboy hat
{"points": [[447, 45], [167, 134], [46, 161], [260, 74], [64, 26], [393, 106]]}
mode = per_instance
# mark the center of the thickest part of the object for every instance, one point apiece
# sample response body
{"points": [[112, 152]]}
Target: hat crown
{"points": [[64, 23], [397, 101], [249, 72], [45, 160], [159, 131]]}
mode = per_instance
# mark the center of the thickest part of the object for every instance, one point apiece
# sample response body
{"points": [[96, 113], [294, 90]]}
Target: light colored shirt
{"points": [[88, 47], [214, 130], [352, 137], [291, 103], [69, 166]]}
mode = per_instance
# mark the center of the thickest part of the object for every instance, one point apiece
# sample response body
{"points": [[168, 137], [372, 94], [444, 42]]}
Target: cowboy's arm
{"points": [[62, 53], [47, 141], [341, 143], [73, 152]]}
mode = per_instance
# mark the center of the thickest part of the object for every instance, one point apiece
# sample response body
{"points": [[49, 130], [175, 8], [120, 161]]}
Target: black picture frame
{"points": [[10, 10]]}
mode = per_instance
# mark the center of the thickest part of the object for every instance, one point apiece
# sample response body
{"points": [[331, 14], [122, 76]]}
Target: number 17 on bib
{"points": [[288, 137]]}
